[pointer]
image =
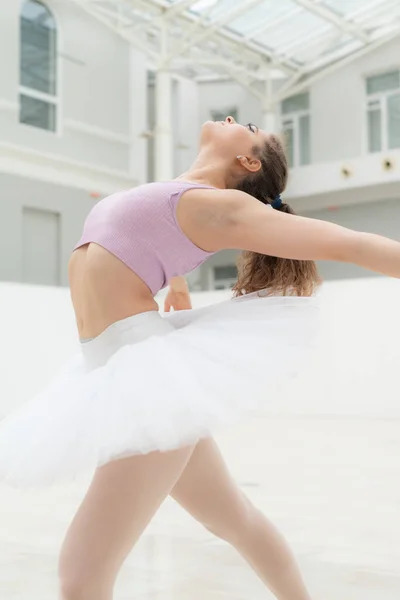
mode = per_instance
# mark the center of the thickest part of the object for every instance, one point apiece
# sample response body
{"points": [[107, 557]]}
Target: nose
{"points": [[230, 120]]}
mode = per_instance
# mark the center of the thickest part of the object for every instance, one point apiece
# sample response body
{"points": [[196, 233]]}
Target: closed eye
{"points": [[253, 128]]}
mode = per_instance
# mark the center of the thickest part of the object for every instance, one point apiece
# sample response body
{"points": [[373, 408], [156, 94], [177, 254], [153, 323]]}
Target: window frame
{"points": [[382, 99], [53, 100], [293, 118]]}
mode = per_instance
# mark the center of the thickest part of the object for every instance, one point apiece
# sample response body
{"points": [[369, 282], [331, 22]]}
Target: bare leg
{"points": [[120, 502], [208, 492]]}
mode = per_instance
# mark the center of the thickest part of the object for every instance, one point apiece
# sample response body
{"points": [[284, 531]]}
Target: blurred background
{"points": [[102, 95]]}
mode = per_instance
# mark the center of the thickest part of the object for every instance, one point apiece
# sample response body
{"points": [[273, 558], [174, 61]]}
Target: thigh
{"points": [[207, 490], [121, 500]]}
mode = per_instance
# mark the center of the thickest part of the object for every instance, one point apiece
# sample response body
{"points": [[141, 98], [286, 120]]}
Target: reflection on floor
{"points": [[330, 484]]}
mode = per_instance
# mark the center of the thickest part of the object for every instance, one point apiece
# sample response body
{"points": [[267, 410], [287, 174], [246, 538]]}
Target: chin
{"points": [[208, 130], [209, 124]]}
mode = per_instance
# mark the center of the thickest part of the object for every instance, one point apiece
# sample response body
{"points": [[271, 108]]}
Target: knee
{"points": [[72, 589], [236, 522], [78, 587]]}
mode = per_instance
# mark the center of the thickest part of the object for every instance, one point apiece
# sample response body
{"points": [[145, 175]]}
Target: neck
{"points": [[208, 171]]}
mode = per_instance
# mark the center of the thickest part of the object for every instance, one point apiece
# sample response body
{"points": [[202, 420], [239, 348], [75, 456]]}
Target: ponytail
{"points": [[257, 272], [280, 276]]}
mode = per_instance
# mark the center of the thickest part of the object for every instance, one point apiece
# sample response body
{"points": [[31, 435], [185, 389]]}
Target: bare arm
{"points": [[239, 221]]}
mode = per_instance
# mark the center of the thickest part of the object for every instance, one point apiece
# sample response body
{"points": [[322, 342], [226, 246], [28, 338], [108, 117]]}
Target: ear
{"points": [[253, 165]]}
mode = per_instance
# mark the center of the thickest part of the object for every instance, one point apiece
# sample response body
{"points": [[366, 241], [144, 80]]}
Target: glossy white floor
{"points": [[323, 462]]}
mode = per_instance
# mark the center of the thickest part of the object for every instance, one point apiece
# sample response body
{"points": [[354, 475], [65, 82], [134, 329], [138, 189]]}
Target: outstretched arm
{"points": [[226, 219], [256, 227]]}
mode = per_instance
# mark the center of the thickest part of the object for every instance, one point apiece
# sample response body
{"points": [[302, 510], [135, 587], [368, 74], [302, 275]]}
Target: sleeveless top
{"points": [[139, 226]]}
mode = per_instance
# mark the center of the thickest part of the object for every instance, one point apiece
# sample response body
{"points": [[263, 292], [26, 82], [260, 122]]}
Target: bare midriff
{"points": [[104, 290]]}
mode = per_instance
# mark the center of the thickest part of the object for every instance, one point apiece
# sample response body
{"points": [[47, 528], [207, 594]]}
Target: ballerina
{"points": [[141, 402]]}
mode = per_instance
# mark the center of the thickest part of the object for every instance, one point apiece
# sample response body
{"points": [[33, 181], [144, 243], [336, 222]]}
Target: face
{"points": [[231, 139]]}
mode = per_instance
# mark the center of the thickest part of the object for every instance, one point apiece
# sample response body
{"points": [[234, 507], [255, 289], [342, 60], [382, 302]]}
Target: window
{"points": [[219, 115], [296, 124], [383, 111], [224, 277], [38, 66]]}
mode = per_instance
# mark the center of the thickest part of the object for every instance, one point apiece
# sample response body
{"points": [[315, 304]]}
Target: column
{"points": [[138, 100], [163, 130], [270, 120], [270, 117]]}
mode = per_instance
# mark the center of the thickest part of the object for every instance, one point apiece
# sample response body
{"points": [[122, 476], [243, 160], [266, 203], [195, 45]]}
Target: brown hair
{"points": [[280, 276]]}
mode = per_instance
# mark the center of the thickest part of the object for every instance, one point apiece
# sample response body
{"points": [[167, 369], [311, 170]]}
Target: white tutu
{"points": [[153, 382]]}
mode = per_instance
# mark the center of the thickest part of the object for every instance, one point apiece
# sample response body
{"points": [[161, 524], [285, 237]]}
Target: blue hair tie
{"points": [[277, 202]]}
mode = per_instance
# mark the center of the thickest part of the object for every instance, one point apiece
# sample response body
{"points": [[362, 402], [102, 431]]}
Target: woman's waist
{"points": [[104, 291]]}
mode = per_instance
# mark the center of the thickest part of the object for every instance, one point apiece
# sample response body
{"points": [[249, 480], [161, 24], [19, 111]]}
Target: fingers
{"points": [[178, 301]]}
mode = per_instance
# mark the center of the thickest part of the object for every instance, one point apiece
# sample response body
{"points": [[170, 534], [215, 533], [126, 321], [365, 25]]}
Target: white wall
{"points": [[17, 193], [101, 119], [382, 218]]}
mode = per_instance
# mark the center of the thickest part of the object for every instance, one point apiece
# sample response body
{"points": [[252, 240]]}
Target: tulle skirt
{"points": [[156, 383]]}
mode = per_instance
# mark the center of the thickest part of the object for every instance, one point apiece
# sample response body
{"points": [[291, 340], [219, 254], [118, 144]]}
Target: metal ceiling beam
{"points": [[213, 26], [324, 12], [158, 10], [287, 65], [105, 17], [224, 45], [198, 21], [178, 7], [372, 9], [169, 13], [112, 21], [271, 23], [380, 36], [247, 83], [223, 64], [307, 40]]}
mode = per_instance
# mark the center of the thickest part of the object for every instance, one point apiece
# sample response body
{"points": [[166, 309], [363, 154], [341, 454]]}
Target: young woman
{"points": [[141, 402]]}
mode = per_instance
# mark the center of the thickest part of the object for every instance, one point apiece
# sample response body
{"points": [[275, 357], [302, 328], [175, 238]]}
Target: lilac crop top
{"points": [[139, 227]]}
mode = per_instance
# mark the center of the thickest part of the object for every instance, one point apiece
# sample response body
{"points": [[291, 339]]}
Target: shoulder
{"points": [[214, 202], [216, 195], [211, 218]]}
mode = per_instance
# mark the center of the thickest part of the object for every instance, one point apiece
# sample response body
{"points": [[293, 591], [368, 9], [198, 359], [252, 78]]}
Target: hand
{"points": [[178, 296], [177, 300]]}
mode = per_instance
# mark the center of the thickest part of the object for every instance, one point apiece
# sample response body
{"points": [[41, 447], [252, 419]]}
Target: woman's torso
{"points": [[131, 246]]}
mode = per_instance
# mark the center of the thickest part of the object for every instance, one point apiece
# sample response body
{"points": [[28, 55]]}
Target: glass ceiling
{"points": [[308, 33], [249, 40]]}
